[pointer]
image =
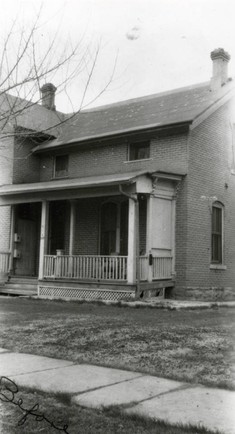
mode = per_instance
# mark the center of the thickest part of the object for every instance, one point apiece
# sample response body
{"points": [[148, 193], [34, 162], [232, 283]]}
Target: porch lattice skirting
{"points": [[84, 293]]}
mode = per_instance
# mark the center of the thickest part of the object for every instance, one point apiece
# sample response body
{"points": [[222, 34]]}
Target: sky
{"points": [[145, 46]]}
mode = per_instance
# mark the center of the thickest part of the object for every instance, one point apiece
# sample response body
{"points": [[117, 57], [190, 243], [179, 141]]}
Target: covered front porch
{"points": [[118, 237]]}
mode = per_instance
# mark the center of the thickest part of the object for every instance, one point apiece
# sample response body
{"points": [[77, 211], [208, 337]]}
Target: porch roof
{"points": [[74, 183]]}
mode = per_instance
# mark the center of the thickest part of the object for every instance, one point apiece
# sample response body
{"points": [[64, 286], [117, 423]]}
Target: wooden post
{"points": [[149, 234], [137, 247], [131, 262], [10, 270], [72, 226], [43, 236], [173, 209], [118, 228]]}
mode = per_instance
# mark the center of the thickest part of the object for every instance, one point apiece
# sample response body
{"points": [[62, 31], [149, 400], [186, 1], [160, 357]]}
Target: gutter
{"points": [[149, 129]]}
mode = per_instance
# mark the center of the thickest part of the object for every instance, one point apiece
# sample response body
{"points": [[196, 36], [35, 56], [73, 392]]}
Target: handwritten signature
{"points": [[8, 391]]}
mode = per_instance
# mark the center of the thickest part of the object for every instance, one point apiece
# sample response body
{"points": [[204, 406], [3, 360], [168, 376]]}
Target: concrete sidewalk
{"points": [[97, 387]]}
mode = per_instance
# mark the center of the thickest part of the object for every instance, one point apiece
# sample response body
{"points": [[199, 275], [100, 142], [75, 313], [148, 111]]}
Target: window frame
{"points": [[61, 173], [218, 235], [134, 147]]}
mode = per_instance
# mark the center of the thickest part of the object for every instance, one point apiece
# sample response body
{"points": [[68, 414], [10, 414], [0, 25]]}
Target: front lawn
{"points": [[194, 346]]}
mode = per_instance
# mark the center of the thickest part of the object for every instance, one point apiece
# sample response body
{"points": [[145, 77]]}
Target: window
{"points": [[139, 151], [217, 234], [61, 166]]}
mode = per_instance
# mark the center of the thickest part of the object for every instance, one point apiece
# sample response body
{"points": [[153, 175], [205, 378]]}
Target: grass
{"points": [[194, 346], [81, 420]]}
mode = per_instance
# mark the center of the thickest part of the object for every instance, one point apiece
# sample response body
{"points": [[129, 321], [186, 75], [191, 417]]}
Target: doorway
{"points": [[26, 239]]}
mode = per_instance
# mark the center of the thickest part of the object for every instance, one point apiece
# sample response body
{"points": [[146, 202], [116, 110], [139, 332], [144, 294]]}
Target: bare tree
{"points": [[25, 65]]}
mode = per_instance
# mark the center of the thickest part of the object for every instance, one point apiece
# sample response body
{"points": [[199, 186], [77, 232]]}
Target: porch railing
{"points": [[4, 262], [162, 267], [86, 267]]}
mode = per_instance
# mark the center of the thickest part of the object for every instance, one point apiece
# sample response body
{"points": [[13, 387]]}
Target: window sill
{"points": [[137, 161], [59, 177], [218, 267]]}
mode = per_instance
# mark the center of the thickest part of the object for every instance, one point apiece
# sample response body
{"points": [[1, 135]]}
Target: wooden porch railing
{"points": [[86, 267], [4, 262], [162, 267], [92, 267]]}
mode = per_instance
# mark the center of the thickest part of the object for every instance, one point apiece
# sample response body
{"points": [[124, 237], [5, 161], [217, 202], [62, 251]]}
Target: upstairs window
{"points": [[61, 166], [139, 151], [217, 234]]}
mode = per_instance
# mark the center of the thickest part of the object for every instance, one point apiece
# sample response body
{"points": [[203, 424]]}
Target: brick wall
{"points": [[26, 166], [5, 224], [87, 227], [166, 153], [6, 171], [209, 175]]}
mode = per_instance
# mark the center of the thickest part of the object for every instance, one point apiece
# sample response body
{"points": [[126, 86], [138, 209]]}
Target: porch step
{"points": [[20, 286]]}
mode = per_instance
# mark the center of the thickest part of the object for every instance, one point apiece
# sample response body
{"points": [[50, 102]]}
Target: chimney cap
{"points": [[220, 53], [47, 87]]}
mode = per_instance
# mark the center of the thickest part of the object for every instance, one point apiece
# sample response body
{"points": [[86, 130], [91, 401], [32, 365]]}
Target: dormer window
{"points": [[139, 151], [61, 166]]}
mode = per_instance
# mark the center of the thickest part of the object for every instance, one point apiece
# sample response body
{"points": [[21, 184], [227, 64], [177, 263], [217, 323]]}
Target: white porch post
{"points": [[72, 226], [118, 228], [43, 236], [131, 261], [149, 234], [173, 215], [12, 238]]}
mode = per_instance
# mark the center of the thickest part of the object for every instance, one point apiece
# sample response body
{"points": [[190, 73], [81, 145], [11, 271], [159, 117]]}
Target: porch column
{"points": [[173, 215], [12, 232], [149, 231], [43, 236], [72, 226], [118, 228], [131, 261]]}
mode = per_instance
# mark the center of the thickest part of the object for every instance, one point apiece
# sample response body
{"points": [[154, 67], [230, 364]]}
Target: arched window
{"points": [[217, 233]]}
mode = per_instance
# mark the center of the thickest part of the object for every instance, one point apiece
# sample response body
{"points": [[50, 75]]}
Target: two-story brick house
{"points": [[126, 198]]}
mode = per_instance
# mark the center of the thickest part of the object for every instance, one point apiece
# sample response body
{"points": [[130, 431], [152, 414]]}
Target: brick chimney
{"points": [[48, 96], [220, 59]]}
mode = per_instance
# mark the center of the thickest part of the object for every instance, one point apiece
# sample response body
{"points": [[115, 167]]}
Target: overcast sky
{"points": [[161, 44]]}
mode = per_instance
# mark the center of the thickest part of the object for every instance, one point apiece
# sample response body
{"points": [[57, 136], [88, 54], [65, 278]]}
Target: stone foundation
{"points": [[204, 294]]}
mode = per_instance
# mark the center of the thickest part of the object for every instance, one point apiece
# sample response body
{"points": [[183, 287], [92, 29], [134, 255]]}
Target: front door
{"points": [[25, 264]]}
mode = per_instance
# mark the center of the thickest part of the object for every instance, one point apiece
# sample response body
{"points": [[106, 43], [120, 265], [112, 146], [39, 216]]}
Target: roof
{"points": [[29, 115], [154, 111], [74, 183]]}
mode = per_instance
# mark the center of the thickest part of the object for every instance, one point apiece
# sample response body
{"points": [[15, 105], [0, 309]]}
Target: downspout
{"points": [[135, 199]]}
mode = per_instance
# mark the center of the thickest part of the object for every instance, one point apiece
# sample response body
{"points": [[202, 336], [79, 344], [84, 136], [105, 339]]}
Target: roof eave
{"points": [[150, 129]]}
